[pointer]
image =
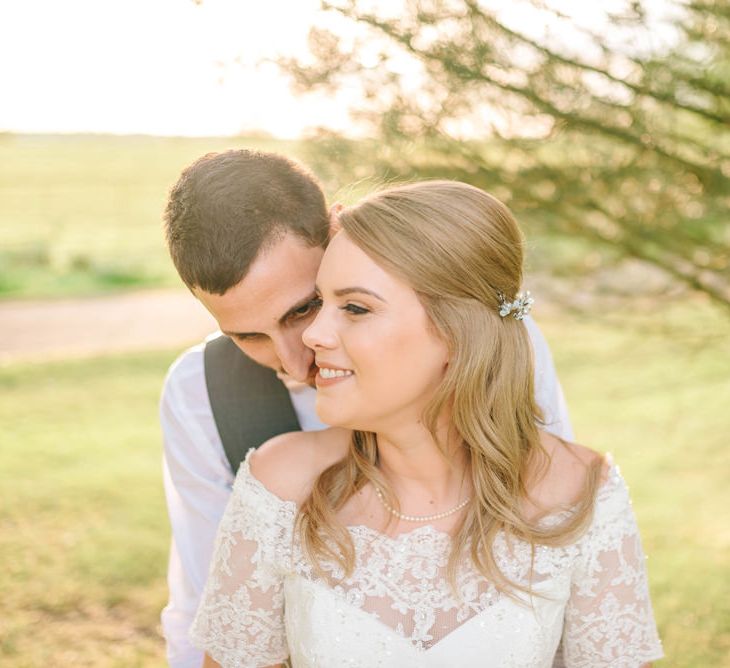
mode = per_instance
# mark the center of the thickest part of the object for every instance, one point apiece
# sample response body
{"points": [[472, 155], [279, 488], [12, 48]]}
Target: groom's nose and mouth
{"points": [[296, 362]]}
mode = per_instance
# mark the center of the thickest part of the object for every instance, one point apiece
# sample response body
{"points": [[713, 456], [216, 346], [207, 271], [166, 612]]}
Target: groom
{"points": [[246, 232]]}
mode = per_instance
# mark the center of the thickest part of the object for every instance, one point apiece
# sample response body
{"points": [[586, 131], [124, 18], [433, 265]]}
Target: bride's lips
{"points": [[329, 374]]}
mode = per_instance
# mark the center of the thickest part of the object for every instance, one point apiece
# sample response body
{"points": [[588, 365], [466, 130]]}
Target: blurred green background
{"points": [[82, 214]]}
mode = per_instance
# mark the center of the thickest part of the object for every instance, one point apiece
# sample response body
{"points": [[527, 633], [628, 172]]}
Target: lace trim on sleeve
{"points": [[609, 620], [240, 621]]}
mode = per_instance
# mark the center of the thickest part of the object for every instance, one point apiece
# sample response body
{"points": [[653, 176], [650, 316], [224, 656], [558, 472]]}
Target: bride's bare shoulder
{"points": [[287, 465], [561, 481]]}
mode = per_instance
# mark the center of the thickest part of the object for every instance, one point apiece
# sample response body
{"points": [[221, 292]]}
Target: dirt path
{"points": [[142, 320], [42, 330]]}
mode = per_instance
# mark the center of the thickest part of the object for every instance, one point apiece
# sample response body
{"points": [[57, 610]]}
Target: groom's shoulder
{"points": [[186, 374], [288, 464], [191, 362]]}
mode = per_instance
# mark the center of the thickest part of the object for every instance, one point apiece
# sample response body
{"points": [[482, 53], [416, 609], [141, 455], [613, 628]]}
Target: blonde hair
{"points": [[459, 249]]}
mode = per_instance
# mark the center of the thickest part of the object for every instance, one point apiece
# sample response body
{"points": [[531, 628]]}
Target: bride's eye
{"points": [[354, 309]]}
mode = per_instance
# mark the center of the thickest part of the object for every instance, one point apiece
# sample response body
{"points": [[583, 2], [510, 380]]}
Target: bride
{"points": [[435, 523]]}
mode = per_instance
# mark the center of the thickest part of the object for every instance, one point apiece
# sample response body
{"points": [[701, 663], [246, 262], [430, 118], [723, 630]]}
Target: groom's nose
{"points": [[295, 358]]}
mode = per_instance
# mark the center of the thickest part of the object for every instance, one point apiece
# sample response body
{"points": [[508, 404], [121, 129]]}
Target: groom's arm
{"points": [[548, 393], [198, 481]]}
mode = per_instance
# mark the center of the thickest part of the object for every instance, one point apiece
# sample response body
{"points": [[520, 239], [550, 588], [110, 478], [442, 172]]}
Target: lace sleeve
{"points": [[240, 621], [609, 620]]}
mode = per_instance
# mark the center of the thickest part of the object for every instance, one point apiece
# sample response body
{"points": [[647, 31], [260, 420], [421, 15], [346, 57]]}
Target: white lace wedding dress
{"points": [[263, 602]]}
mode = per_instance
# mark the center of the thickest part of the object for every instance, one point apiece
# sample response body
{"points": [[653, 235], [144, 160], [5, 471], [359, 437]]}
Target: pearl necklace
{"points": [[419, 518]]}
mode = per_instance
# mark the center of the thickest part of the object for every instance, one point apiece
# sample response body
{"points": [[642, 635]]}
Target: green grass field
{"points": [[82, 214], [84, 533], [83, 530]]}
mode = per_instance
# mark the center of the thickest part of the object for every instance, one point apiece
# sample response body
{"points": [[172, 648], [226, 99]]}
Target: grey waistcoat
{"points": [[250, 404]]}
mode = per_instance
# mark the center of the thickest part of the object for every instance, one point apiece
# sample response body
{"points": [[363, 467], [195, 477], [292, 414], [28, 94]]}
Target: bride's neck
{"points": [[412, 461]]}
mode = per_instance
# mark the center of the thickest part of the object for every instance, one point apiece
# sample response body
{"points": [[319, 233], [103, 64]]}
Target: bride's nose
{"points": [[321, 333]]}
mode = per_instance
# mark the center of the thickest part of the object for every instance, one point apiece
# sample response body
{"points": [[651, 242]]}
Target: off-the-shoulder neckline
{"points": [[607, 487]]}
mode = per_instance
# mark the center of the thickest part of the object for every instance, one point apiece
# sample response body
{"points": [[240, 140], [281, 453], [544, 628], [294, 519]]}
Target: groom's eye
{"points": [[308, 308], [254, 336]]}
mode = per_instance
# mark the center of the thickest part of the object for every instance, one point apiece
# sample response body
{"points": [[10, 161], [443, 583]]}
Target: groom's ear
{"points": [[334, 215]]}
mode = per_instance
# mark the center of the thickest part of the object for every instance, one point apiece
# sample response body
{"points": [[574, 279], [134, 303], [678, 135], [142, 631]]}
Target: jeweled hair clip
{"points": [[519, 308]]}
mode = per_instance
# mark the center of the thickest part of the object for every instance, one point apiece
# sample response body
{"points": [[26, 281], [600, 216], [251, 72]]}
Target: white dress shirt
{"points": [[198, 478]]}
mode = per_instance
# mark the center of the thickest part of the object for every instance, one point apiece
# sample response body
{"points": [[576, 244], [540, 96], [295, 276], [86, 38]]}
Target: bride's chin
{"points": [[329, 414], [333, 416]]}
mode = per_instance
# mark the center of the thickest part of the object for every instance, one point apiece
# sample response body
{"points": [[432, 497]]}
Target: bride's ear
{"points": [[334, 215]]}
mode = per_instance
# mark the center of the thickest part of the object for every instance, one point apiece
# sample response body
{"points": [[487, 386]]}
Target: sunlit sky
{"points": [[166, 67]]}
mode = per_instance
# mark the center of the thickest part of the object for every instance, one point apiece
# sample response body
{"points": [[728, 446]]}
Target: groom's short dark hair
{"points": [[226, 207]]}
